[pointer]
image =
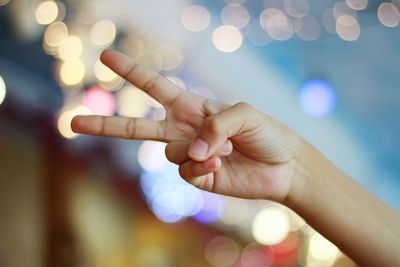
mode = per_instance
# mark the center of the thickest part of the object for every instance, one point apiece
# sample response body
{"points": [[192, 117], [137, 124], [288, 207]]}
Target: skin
{"points": [[242, 152]]}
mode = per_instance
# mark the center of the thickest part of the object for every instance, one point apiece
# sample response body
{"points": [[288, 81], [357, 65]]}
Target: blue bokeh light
{"points": [[317, 98]]}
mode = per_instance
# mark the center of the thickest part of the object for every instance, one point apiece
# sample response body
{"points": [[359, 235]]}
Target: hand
{"points": [[232, 150]]}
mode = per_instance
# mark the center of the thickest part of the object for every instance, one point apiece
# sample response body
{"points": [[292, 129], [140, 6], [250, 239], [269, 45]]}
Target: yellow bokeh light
{"points": [[348, 28], [195, 18], [71, 48], [270, 226], [227, 38], [103, 33], [322, 249], [3, 90], [46, 12], [72, 72], [65, 117], [132, 102], [56, 34], [103, 73], [171, 55]]}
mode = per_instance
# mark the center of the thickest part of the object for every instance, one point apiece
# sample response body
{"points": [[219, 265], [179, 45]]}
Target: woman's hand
{"points": [[233, 150]]}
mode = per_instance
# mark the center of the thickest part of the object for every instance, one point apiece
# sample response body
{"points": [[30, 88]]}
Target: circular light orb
{"points": [[209, 212], [72, 72], [257, 35], [307, 28], [357, 4], [132, 102], [3, 90], [270, 226], [71, 48], [227, 39], [4, 2], [322, 249], [195, 18], [46, 12], [256, 255], [317, 98], [56, 34], [103, 33], [388, 15], [132, 46], [222, 252], [171, 56], [296, 8], [151, 156], [235, 15], [104, 73], [99, 101], [341, 8], [348, 28], [276, 24], [65, 118]]}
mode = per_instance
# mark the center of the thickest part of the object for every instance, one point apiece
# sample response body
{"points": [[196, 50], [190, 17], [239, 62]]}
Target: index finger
{"points": [[142, 77]]}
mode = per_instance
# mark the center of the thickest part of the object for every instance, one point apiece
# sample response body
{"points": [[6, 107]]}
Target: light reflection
{"points": [[227, 39], [46, 12], [235, 15], [270, 226], [388, 15], [3, 90], [103, 33], [195, 18], [222, 252]]}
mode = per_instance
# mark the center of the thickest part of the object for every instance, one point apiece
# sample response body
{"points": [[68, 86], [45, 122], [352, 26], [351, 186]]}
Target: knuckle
{"points": [[244, 106], [214, 124], [131, 128]]}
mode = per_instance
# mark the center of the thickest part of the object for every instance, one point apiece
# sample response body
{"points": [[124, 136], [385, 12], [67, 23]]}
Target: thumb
{"points": [[217, 128]]}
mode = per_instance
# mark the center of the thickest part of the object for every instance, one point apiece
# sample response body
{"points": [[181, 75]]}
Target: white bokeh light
{"points": [[235, 15], [388, 15], [227, 39], [348, 28], [195, 18]]}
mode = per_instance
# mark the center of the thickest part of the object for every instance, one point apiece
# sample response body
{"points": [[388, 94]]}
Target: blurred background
{"points": [[328, 69]]}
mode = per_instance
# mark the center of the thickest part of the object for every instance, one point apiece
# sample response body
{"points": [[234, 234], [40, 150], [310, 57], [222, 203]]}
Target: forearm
{"points": [[362, 226]]}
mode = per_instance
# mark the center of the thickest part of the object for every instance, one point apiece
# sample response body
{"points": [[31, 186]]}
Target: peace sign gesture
{"points": [[234, 150]]}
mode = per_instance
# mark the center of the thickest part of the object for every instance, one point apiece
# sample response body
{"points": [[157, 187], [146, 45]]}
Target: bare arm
{"points": [[240, 151]]}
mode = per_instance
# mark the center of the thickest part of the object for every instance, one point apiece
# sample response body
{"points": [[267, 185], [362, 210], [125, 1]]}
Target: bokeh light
{"points": [[99, 101], [256, 255], [151, 156], [222, 252], [317, 98], [329, 21], [211, 205], [307, 28], [388, 15], [270, 226], [296, 8], [348, 28], [357, 4], [256, 34], [55, 35], [341, 8], [103, 33], [171, 56], [227, 39], [72, 72], [46, 12], [132, 46], [104, 73], [71, 48], [233, 211], [65, 117], [4, 2], [276, 24], [195, 18], [3, 90], [132, 102], [235, 15], [322, 250]]}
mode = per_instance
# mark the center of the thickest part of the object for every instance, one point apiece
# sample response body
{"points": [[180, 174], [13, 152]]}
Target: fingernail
{"points": [[226, 147], [199, 148]]}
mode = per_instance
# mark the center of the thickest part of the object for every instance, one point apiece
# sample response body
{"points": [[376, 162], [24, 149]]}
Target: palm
{"points": [[260, 158]]}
